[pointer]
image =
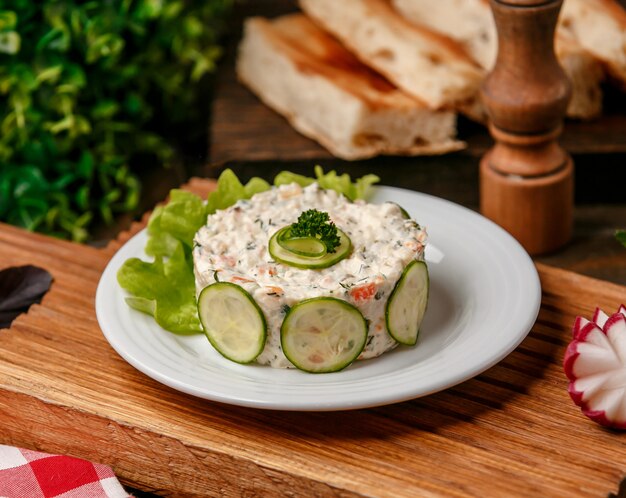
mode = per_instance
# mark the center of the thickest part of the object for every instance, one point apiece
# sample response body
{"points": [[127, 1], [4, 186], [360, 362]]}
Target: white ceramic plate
{"points": [[484, 298]]}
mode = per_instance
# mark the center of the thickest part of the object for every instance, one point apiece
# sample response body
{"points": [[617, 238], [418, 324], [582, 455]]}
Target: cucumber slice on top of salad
{"points": [[282, 254], [407, 303], [232, 321], [312, 242], [323, 334], [310, 247]]}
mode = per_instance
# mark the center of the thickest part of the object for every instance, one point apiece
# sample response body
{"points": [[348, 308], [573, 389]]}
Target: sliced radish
{"points": [[595, 364], [579, 324], [599, 317]]}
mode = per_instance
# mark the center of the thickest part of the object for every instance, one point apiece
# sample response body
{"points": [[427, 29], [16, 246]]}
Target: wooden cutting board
{"points": [[511, 431]]}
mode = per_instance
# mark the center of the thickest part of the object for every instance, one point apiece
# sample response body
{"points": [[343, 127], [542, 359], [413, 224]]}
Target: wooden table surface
{"points": [[511, 431]]}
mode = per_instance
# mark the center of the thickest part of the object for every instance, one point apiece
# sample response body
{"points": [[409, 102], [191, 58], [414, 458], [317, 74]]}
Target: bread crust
{"points": [[599, 26], [328, 95], [426, 64]]}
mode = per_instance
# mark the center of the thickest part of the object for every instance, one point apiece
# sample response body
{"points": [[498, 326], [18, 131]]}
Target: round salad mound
{"points": [[369, 246]]}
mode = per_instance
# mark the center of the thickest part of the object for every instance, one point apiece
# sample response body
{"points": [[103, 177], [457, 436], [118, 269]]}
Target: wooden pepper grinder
{"points": [[526, 179]]}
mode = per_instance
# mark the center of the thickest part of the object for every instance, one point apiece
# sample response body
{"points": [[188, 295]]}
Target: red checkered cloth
{"points": [[31, 474]]}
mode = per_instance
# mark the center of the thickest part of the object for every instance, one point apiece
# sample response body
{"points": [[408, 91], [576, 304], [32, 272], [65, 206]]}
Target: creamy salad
{"points": [[233, 247]]}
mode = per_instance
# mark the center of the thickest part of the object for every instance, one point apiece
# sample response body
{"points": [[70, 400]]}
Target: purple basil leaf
{"points": [[21, 286]]}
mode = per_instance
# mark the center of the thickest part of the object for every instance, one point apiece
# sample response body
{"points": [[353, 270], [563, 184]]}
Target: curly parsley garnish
{"points": [[314, 223]]}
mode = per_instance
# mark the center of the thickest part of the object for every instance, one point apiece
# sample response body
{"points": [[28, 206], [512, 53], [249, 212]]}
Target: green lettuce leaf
{"points": [[287, 177], [620, 235], [182, 216], [160, 243], [340, 183], [343, 183], [230, 190], [165, 288]]}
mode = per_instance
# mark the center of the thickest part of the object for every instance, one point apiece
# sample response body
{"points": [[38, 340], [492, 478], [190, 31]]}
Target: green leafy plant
{"points": [[90, 89]]}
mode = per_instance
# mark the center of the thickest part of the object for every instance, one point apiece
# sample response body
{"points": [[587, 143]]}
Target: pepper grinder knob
{"points": [[526, 178]]}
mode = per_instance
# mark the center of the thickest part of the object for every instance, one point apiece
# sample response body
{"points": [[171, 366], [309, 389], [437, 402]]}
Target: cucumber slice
{"points": [[232, 321], [403, 211], [407, 303], [288, 257], [310, 247], [323, 334]]}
